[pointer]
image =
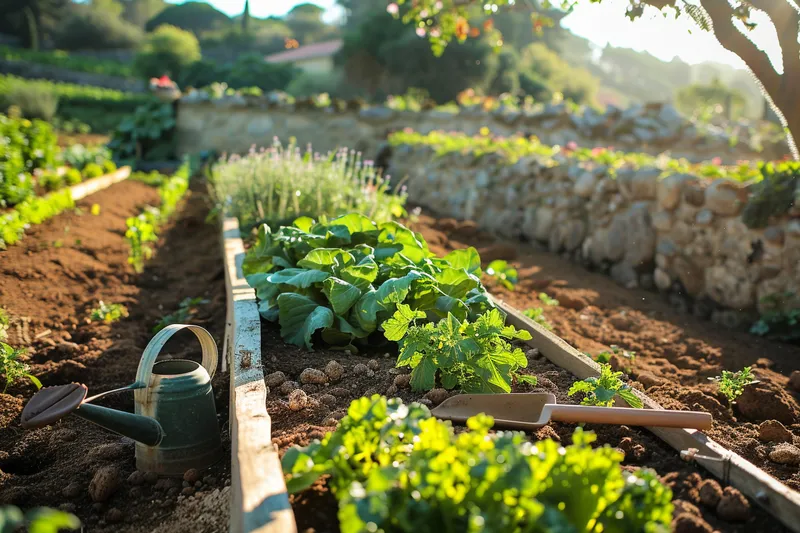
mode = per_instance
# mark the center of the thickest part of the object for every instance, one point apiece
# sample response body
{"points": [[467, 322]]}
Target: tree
{"points": [[305, 21], [195, 17], [138, 12], [712, 99], [168, 50], [29, 19], [90, 27], [444, 20]]}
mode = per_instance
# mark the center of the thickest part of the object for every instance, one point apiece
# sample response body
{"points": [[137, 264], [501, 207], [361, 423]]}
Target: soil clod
{"points": [[105, 482], [774, 431], [785, 454], [733, 506]]}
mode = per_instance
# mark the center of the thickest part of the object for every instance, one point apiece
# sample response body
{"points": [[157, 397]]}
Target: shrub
{"points": [[92, 170], [98, 30], [51, 181], [33, 102], [168, 50], [311, 83], [146, 134], [250, 70], [109, 166], [73, 176]]}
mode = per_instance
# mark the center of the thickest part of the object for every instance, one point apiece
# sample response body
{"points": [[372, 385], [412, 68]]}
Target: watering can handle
{"points": [[145, 371]]}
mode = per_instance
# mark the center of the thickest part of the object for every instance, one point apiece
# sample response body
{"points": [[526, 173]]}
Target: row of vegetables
{"points": [[344, 280]]}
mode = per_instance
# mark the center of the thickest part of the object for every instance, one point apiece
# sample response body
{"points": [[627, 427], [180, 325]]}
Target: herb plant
{"points": [[601, 390], [732, 384], [12, 368], [108, 313], [547, 300], [393, 467], [186, 310], [347, 276], [279, 184], [504, 273], [475, 357]]}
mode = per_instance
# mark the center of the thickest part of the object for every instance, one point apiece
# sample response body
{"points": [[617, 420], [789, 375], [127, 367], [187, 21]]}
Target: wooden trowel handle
{"points": [[630, 416]]}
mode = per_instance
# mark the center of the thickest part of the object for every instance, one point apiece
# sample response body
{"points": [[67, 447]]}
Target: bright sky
{"points": [[602, 24]]}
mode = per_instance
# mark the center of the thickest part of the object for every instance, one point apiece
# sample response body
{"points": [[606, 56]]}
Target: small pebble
{"points": [[402, 381], [298, 400], [785, 454], [392, 390], [187, 491], [436, 396], [372, 364], [72, 490], [191, 475], [136, 478], [210, 480], [275, 379], [288, 387], [313, 376], [360, 369], [327, 399], [334, 370], [114, 515], [198, 484]]}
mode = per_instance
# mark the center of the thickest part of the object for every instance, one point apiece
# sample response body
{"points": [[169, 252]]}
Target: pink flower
{"points": [[393, 9], [420, 32], [572, 145], [716, 161], [597, 151]]}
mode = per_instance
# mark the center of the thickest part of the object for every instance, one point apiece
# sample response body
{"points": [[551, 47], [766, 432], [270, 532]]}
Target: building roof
{"points": [[309, 51]]}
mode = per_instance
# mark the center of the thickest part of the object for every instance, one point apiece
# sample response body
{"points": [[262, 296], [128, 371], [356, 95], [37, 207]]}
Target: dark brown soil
{"points": [[369, 373], [49, 284]]}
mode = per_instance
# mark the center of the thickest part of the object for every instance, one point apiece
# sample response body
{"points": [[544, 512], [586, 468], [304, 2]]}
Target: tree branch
{"points": [[720, 12], [786, 18]]}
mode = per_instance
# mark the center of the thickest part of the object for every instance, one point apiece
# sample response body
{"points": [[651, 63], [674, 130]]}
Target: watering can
{"points": [[175, 421]]}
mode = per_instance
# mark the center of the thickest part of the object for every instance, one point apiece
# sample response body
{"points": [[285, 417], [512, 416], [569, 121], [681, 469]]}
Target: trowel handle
{"points": [[629, 416], [209, 347]]}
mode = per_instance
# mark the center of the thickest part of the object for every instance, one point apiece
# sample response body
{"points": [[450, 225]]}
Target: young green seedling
{"points": [[601, 390], [547, 300], [732, 384], [186, 310], [537, 315], [12, 368], [108, 313], [504, 273]]}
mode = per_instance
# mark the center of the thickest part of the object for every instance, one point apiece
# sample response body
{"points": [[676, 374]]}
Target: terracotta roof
{"points": [[309, 51]]}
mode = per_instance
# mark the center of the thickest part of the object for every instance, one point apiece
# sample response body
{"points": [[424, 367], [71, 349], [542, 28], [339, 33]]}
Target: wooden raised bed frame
{"points": [[259, 501]]}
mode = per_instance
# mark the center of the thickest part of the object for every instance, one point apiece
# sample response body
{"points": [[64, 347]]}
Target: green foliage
{"points": [[108, 313], [537, 315], [97, 29], [186, 310], [100, 109], [601, 390], [12, 368], [60, 58], [474, 357], [33, 102], [143, 229], [92, 170], [781, 319], [348, 275], [32, 211], [692, 100], [558, 76], [249, 70], [4, 323], [192, 16], [308, 84], [774, 195], [38, 520], [167, 50], [50, 180], [146, 134], [280, 184], [732, 384], [78, 156], [394, 467], [72, 176], [26, 145], [547, 300], [505, 274]]}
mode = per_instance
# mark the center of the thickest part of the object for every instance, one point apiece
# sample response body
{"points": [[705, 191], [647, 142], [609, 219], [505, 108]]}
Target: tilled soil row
{"points": [[49, 284], [701, 504]]}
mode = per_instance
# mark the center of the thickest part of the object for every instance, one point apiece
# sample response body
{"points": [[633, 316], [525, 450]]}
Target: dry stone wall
{"points": [[679, 234], [235, 123]]}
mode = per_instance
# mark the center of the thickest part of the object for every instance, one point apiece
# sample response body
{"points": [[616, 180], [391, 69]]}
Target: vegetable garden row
{"points": [[371, 313]]}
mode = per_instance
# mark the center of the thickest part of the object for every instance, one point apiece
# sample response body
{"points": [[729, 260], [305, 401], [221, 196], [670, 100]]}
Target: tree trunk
{"points": [[33, 29]]}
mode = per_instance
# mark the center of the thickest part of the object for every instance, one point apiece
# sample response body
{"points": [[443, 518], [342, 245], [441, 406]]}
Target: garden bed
{"points": [[49, 285], [374, 372]]}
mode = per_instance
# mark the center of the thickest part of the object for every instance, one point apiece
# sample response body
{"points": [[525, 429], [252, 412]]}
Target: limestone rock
{"points": [[725, 197], [670, 189], [774, 431], [785, 454]]}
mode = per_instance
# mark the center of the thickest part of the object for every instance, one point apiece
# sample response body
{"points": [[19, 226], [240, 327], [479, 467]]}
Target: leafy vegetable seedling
{"points": [[547, 300], [186, 310], [476, 357], [109, 313], [504, 273], [537, 315], [602, 389], [4, 321], [732, 384], [14, 369]]}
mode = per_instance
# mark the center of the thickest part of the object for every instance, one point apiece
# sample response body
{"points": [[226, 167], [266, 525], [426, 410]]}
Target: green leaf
{"points": [[396, 327], [355, 223], [341, 294], [468, 259], [327, 259], [298, 277], [630, 398], [423, 377], [304, 223], [45, 520], [361, 275], [300, 317], [456, 283], [414, 246]]}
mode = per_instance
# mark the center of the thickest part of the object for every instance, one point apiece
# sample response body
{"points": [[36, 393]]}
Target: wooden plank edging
{"points": [[259, 501], [84, 189], [776, 498]]}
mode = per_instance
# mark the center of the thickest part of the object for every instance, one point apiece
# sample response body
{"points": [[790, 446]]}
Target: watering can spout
{"points": [[137, 427]]}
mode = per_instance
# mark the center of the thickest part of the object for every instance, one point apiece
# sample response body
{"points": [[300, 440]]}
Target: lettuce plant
{"points": [[475, 357], [347, 276], [504, 273], [395, 468], [602, 389]]}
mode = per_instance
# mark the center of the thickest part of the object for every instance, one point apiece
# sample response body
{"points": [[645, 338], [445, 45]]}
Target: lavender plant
{"points": [[281, 183]]}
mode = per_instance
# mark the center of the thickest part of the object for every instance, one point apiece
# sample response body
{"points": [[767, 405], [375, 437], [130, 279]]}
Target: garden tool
{"points": [[533, 410], [175, 421]]}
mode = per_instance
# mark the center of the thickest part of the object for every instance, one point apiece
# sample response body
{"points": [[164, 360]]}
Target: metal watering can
{"points": [[175, 421]]}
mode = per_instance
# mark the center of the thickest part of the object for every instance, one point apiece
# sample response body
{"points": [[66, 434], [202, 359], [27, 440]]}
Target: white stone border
{"points": [[259, 501], [84, 189]]}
